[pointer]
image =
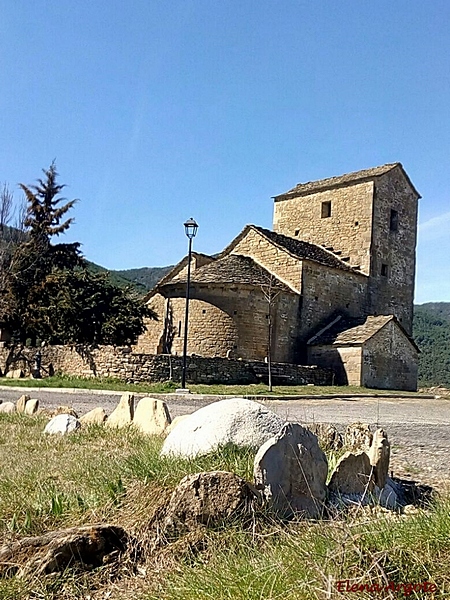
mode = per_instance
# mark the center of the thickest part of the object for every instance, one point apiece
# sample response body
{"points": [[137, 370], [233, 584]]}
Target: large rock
{"points": [[358, 436], [62, 424], [22, 402], [15, 374], [7, 408], [235, 420], [207, 499], [96, 416], [353, 474], [328, 436], [152, 416], [379, 454], [291, 470], [122, 415], [83, 547], [31, 407]]}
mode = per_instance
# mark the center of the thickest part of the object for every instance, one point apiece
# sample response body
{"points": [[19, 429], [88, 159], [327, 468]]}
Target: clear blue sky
{"points": [[157, 111]]}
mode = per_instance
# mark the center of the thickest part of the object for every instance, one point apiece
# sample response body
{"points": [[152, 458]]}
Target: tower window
{"points": [[393, 224], [384, 270], [326, 209]]}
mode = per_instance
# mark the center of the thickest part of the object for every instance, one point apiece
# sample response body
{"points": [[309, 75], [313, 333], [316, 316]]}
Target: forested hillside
{"points": [[432, 335], [145, 278]]}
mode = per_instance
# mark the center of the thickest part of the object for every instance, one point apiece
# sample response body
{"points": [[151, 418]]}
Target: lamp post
{"points": [[190, 228]]}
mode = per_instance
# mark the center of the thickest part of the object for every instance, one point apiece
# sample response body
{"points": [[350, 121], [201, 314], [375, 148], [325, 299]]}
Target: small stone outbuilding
{"points": [[377, 353]]}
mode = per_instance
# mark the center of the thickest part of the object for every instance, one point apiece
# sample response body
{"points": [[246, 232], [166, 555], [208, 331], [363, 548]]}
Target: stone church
{"points": [[333, 282]]}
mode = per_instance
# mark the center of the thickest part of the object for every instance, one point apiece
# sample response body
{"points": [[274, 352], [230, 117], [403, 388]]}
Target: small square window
{"points": [[384, 270], [326, 209], [393, 224]]}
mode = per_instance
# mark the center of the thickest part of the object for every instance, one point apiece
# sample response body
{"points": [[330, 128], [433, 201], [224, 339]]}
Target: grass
{"points": [[260, 389], [99, 474]]}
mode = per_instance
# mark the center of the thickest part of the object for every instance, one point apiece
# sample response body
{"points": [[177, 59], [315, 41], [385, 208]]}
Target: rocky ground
{"points": [[418, 428]]}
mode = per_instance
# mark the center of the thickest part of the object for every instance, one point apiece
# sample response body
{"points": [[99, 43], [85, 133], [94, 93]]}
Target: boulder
{"points": [[152, 416], [15, 374], [122, 415], [7, 407], [83, 547], [96, 416], [328, 436], [291, 470], [31, 407], [207, 499], [62, 424], [232, 421], [358, 436], [21, 403], [379, 454], [353, 474], [175, 422]]}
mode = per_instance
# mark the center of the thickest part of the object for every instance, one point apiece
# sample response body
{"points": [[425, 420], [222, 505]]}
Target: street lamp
{"points": [[190, 228]]}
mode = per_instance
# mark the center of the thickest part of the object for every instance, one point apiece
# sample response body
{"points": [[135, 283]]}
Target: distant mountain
{"points": [[145, 277], [431, 329]]}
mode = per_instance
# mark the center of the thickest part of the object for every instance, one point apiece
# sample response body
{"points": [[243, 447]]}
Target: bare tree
{"points": [[271, 287], [6, 206]]}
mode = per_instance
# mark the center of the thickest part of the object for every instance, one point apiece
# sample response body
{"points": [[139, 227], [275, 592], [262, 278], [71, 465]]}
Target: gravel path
{"points": [[419, 429]]}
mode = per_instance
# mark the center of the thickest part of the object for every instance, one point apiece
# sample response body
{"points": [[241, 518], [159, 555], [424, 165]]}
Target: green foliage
{"points": [[50, 292], [432, 335]]}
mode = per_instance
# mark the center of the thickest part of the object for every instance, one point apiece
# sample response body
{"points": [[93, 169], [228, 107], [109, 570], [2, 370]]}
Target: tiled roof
{"points": [[304, 250], [332, 182], [349, 332], [231, 269]]}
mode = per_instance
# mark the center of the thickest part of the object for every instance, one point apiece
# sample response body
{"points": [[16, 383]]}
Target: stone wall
{"points": [[348, 229], [392, 293], [223, 321], [277, 261], [344, 361], [122, 363], [389, 360], [328, 291]]}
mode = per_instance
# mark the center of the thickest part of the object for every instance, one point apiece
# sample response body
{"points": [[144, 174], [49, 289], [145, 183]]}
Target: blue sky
{"points": [[156, 111]]}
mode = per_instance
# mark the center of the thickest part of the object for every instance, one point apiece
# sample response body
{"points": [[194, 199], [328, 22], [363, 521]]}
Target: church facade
{"points": [[331, 284]]}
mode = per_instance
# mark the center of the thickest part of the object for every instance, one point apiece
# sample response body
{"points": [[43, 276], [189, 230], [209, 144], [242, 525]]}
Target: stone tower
{"points": [[367, 218]]}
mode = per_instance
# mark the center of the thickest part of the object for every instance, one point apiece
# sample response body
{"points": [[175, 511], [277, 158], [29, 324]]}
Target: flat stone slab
{"points": [[353, 474], [291, 470]]}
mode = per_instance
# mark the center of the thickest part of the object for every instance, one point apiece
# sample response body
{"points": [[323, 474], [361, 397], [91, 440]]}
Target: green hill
{"points": [[431, 330], [145, 277]]}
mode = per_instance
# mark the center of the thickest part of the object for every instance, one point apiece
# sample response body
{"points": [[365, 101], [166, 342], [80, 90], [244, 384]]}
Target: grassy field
{"points": [[118, 477], [62, 381]]}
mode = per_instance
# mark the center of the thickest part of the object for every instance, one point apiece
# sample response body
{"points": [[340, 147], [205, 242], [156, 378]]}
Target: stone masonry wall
{"points": [[328, 291], [223, 321], [121, 363], [393, 292], [348, 229], [275, 260], [345, 362], [390, 361]]}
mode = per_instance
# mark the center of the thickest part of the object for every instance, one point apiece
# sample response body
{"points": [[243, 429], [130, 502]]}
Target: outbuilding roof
{"points": [[353, 332]]}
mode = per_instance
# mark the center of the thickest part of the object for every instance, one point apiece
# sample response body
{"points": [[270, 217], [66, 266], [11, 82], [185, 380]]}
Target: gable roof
{"points": [[232, 269], [354, 332], [302, 189], [297, 248]]}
